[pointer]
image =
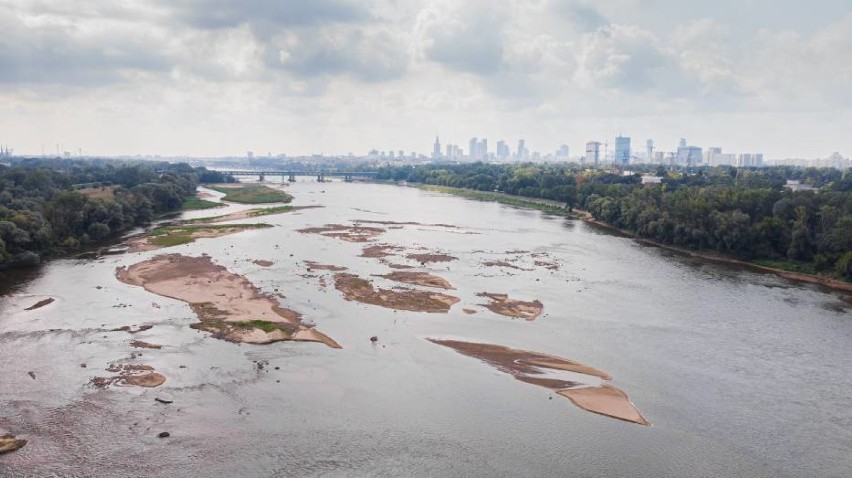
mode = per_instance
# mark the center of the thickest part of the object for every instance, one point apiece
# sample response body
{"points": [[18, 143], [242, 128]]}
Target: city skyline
{"points": [[337, 76]]}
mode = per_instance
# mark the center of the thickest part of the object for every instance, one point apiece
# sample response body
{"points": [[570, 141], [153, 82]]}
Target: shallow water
{"points": [[741, 373]]}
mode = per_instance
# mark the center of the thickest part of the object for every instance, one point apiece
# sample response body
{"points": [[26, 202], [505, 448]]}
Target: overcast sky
{"points": [[220, 77]]}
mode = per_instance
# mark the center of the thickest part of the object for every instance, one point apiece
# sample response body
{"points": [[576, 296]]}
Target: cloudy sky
{"points": [[220, 77]]}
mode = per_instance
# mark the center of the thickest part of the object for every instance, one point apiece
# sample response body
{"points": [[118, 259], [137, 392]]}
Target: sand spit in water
{"points": [[130, 375], [40, 303], [131, 330], [503, 264], [407, 223], [250, 214], [263, 262], [380, 250], [431, 257], [362, 290], [345, 233], [503, 305], [312, 266], [419, 278], [9, 443], [144, 345], [177, 235], [586, 390], [227, 304]]}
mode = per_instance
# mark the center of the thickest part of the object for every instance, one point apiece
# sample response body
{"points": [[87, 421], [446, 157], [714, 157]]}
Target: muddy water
{"points": [[741, 374]]}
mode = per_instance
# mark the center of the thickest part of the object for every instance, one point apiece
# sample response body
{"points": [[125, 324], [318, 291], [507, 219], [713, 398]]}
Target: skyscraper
{"points": [[521, 150], [474, 148], [436, 149], [593, 153], [482, 150], [622, 151], [649, 150]]}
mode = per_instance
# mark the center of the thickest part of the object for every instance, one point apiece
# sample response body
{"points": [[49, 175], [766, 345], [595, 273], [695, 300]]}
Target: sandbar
{"points": [[263, 262], [431, 257], [40, 303], [130, 375], [362, 290], [177, 235], [345, 233], [586, 389], [380, 250], [227, 304], [324, 267], [503, 305], [419, 278]]}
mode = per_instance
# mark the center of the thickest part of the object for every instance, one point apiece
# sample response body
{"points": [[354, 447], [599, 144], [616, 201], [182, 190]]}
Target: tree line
{"points": [[747, 213], [45, 209]]}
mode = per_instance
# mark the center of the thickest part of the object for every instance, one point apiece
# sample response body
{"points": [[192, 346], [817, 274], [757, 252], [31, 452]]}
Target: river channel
{"points": [[740, 373]]}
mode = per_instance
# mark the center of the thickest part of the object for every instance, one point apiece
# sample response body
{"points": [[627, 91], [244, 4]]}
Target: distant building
{"points": [[649, 180], [689, 155], [522, 151], [436, 149], [503, 150], [796, 185], [473, 148], [563, 152], [593, 154], [622, 151], [750, 160], [649, 150], [681, 143], [249, 154], [482, 149]]}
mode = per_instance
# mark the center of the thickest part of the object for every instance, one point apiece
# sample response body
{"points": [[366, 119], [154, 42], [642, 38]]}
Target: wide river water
{"points": [[740, 373]]}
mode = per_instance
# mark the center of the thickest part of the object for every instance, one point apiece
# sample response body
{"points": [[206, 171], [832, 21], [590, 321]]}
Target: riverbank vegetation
{"points": [[56, 206], [251, 194], [745, 213]]}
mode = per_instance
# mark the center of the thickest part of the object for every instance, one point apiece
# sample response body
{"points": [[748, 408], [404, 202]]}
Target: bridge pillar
{"points": [[347, 178], [260, 177], [320, 178], [292, 178]]}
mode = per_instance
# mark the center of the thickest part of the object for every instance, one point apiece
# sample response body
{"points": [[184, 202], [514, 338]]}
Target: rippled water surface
{"points": [[741, 373]]}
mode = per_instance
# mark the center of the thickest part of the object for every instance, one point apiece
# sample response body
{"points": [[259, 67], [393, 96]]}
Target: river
{"points": [[740, 373]]}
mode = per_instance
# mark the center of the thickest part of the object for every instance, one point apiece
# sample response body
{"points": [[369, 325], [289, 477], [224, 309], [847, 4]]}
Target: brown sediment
{"points": [[361, 290], [324, 267], [130, 375], [263, 262], [547, 265], [503, 305], [40, 303], [431, 257], [406, 223], [9, 443], [227, 304], [591, 394], [345, 233], [605, 400], [130, 330], [379, 250], [144, 345], [503, 264], [400, 266], [419, 278], [469, 311]]}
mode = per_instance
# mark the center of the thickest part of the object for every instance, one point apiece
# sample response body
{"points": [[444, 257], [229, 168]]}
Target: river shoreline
{"points": [[585, 216]]}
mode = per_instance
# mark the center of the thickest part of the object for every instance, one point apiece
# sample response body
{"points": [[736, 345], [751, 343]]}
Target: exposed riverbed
{"points": [[739, 373]]}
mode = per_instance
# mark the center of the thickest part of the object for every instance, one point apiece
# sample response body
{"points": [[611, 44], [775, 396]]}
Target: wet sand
{"points": [[40, 303], [130, 375], [431, 257], [227, 304], [324, 267], [503, 305], [380, 250], [362, 290], [249, 214], [418, 278], [504, 264], [588, 391], [262, 263]]}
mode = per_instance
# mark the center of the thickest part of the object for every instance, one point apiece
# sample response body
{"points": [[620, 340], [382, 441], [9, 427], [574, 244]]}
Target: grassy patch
{"points": [[194, 204], [263, 325], [176, 235], [496, 197], [252, 194], [270, 210]]}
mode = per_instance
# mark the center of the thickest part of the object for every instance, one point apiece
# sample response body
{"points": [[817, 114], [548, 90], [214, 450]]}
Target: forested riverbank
{"points": [[746, 214], [53, 206]]}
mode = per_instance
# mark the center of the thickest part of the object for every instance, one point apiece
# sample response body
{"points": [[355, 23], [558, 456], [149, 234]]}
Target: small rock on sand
{"points": [[164, 434], [40, 303], [374, 339], [31, 374]]}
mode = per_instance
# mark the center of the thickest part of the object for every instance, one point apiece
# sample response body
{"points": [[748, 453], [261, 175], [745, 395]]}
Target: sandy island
{"points": [[9, 443], [249, 214], [345, 233], [418, 278], [227, 304], [130, 375], [362, 290], [591, 394], [323, 267], [176, 235], [503, 305], [431, 257]]}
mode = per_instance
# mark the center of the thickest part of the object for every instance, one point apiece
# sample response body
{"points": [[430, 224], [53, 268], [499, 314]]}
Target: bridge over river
{"points": [[347, 176]]}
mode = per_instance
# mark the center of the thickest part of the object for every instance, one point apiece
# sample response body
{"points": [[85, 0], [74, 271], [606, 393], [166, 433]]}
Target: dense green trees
{"points": [[746, 213], [43, 211]]}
